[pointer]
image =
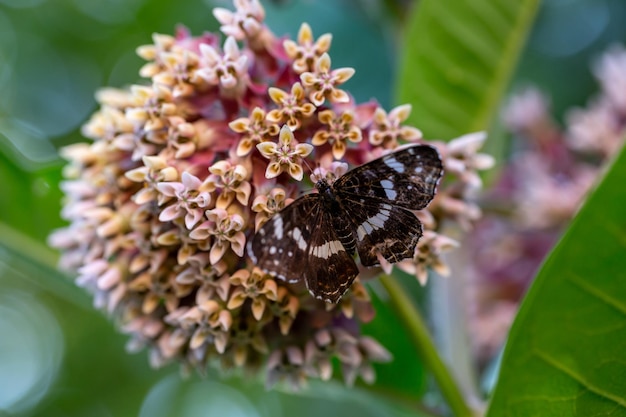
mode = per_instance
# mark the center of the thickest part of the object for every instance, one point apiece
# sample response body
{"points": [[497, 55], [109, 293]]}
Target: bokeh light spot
{"points": [[31, 350], [203, 398]]}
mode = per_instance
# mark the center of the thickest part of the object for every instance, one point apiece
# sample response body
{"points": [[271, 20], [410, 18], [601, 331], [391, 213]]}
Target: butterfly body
{"points": [[367, 210], [341, 225]]}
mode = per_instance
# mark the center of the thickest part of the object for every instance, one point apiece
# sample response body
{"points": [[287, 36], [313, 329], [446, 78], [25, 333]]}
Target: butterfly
{"points": [[367, 210]]}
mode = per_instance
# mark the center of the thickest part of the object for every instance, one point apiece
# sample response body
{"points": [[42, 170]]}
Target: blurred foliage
{"points": [[54, 54], [458, 60]]}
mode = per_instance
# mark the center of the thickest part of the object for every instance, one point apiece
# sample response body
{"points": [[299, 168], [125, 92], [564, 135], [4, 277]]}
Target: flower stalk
{"points": [[418, 331]]}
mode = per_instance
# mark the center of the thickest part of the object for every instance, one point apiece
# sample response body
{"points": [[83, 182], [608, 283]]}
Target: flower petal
{"points": [[217, 252], [170, 213], [170, 189], [296, 171], [238, 243], [341, 75], [285, 136], [267, 149], [303, 149], [277, 95]]}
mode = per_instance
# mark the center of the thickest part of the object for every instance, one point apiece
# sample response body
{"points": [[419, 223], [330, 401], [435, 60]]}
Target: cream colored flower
{"points": [[285, 155], [305, 53], [189, 199], [292, 108], [322, 82], [224, 230], [340, 130], [231, 182], [387, 129]]}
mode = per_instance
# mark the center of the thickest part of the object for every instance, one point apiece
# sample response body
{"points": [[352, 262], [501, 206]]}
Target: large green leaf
{"points": [[458, 58], [566, 353]]}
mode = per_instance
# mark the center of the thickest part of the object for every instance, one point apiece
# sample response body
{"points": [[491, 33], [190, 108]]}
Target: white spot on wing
{"points": [[375, 222], [297, 235], [328, 249], [389, 191], [360, 232], [393, 163], [378, 221], [278, 226]]}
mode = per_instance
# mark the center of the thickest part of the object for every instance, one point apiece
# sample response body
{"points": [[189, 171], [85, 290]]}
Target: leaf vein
{"points": [[581, 379], [604, 297]]}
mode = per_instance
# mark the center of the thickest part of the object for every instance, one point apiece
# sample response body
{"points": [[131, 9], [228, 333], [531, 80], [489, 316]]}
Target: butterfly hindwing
{"points": [[330, 269], [382, 228]]}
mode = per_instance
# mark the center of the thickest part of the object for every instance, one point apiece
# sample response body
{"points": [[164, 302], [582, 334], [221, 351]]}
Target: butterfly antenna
{"points": [[307, 165]]}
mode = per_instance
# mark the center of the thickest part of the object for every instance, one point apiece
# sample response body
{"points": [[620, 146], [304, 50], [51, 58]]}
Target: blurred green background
{"points": [[59, 357]]}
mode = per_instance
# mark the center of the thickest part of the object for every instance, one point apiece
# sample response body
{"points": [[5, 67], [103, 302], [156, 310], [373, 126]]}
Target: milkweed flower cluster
{"points": [[539, 192], [183, 169]]}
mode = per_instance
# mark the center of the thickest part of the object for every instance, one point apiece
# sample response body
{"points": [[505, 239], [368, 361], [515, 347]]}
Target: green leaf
{"points": [[565, 354], [404, 375], [458, 59]]}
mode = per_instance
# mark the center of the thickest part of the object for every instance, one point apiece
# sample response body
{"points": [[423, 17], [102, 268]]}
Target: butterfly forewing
{"points": [[280, 246], [300, 243], [406, 178]]}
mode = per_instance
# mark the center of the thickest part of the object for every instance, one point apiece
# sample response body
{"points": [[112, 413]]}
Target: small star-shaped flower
{"points": [[322, 82], [154, 171], [386, 129], [428, 254], [231, 180], [190, 197], [285, 155], [256, 286], [226, 231], [254, 129], [463, 159], [229, 71], [245, 21], [305, 53], [267, 204], [292, 108], [340, 130]]}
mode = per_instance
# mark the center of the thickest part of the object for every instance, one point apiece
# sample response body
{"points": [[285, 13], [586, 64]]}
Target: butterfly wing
{"points": [[382, 228], [280, 247], [376, 197], [331, 270], [299, 243], [407, 178]]}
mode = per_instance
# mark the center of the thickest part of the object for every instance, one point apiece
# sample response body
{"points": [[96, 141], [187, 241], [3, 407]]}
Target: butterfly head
{"points": [[322, 186]]}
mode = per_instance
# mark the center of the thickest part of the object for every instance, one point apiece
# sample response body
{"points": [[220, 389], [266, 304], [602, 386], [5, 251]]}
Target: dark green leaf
{"points": [[565, 354]]}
